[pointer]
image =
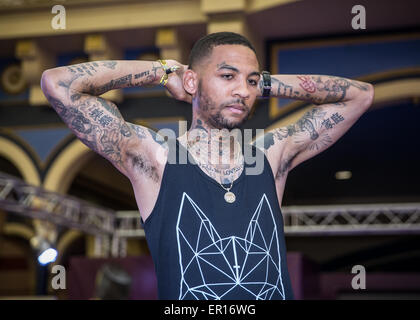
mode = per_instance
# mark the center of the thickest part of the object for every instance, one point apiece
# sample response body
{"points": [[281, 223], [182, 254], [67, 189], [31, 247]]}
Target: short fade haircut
{"points": [[204, 46]]}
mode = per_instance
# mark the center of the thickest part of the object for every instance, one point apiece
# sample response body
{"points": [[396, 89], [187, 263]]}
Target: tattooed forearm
{"points": [[306, 84], [335, 88], [124, 81], [316, 89], [110, 64], [90, 68], [279, 89], [98, 77]]}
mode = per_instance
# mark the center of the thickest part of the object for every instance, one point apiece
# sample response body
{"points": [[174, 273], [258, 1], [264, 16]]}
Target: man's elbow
{"points": [[368, 96], [47, 82]]}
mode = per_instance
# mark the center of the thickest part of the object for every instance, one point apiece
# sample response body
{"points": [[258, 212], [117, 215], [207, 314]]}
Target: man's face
{"points": [[228, 86]]}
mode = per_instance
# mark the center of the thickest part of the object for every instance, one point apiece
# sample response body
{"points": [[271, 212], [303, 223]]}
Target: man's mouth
{"points": [[236, 108]]}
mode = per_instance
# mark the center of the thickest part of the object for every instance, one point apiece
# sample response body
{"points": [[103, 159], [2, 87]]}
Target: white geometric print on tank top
{"points": [[250, 264]]}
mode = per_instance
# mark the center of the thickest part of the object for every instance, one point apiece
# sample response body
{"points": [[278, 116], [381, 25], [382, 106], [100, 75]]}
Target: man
{"points": [[214, 231]]}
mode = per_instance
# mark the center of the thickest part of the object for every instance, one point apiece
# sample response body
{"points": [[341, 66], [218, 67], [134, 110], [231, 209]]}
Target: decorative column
{"points": [[172, 45], [34, 60], [231, 16]]}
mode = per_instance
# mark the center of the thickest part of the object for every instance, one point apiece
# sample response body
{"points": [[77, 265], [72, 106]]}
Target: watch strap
{"points": [[266, 83]]}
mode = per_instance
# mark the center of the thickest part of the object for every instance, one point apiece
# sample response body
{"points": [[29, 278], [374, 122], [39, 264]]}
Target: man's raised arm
{"points": [[73, 92], [340, 103]]}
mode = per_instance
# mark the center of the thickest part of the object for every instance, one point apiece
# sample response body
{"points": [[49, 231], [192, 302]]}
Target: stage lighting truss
{"points": [[127, 225], [63, 210], [112, 229], [322, 220], [401, 218]]}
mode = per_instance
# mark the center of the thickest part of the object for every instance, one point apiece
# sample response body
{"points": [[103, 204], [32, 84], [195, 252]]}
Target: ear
{"points": [[190, 82]]}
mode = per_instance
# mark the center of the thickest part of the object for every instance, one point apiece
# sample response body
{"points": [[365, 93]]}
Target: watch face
{"points": [[266, 78]]}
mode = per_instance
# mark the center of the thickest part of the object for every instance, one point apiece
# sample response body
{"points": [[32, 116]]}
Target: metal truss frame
{"points": [[113, 228], [359, 219], [35, 202]]}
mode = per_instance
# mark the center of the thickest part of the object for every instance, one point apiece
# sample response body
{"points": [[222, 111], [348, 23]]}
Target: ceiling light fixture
{"points": [[343, 175]]}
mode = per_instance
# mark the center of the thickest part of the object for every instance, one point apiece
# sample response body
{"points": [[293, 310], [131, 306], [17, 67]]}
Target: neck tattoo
{"points": [[208, 150]]}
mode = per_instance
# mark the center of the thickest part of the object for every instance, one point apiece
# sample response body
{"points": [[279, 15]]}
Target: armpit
{"points": [[142, 165], [285, 165]]}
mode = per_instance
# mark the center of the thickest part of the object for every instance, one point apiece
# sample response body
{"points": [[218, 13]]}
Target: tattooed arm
{"points": [[73, 92], [340, 104]]}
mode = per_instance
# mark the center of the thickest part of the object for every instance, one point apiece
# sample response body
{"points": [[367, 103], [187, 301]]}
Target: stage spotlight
{"points": [[46, 253], [343, 175], [47, 256]]}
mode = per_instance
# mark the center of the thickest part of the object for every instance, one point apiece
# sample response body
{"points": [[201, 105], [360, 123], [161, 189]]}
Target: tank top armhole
{"points": [[266, 162], [163, 183], [157, 205]]}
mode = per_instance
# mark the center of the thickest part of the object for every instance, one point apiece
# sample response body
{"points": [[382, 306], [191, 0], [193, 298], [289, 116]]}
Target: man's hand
{"points": [[175, 84]]}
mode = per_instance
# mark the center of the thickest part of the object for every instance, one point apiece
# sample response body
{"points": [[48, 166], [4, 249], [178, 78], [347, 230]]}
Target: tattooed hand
{"points": [[175, 85]]}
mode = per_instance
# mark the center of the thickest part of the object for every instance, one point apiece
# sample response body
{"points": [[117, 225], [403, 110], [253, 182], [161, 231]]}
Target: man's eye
{"points": [[227, 76], [252, 82]]}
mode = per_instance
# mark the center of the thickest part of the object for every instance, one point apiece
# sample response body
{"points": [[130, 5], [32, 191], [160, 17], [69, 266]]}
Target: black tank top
{"points": [[206, 248]]}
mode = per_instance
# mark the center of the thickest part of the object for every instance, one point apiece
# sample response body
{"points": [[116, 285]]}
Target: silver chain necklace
{"points": [[229, 195]]}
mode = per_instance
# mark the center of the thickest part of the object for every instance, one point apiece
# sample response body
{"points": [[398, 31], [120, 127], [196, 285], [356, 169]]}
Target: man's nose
{"points": [[241, 90]]}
